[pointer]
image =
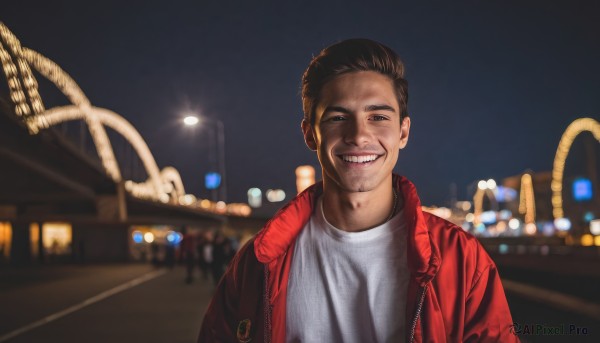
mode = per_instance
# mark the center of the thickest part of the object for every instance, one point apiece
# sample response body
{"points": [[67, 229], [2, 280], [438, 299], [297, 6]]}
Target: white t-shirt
{"points": [[348, 286]]}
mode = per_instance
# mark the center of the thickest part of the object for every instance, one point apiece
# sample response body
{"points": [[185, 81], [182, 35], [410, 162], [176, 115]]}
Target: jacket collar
{"points": [[280, 232]]}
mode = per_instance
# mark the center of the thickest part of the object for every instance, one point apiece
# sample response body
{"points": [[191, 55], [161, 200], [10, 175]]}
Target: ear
{"points": [[309, 135], [404, 132]]}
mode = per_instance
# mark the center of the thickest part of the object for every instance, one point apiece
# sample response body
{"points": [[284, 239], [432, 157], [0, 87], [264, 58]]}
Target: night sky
{"points": [[492, 84]]}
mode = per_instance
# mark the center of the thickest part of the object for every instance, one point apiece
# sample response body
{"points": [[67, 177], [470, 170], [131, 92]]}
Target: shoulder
{"points": [[455, 245], [237, 297], [243, 281], [244, 265], [445, 232]]}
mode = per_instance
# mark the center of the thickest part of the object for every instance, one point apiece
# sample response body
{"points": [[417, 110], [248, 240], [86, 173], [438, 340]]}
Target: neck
{"points": [[358, 211]]}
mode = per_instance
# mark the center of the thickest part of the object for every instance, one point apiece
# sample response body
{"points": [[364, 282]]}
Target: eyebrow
{"points": [[368, 108], [371, 108], [336, 109]]}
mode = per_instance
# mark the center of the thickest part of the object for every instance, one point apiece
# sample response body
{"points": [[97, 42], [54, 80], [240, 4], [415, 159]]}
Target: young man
{"points": [[354, 259]]}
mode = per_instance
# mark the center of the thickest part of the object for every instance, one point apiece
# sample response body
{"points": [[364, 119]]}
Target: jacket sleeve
{"points": [[237, 298], [487, 316]]}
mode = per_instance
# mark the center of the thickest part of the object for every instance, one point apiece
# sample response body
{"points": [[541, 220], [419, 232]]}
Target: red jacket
{"points": [[454, 294]]}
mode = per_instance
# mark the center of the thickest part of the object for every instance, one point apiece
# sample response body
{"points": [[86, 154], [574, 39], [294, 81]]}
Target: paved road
{"points": [[161, 309], [550, 312], [137, 303], [532, 314]]}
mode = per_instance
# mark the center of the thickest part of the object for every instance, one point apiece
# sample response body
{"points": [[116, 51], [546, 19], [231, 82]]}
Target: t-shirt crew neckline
{"points": [[387, 228]]}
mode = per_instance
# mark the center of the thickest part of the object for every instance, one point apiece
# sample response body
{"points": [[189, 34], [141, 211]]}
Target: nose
{"points": [[357, 133]]}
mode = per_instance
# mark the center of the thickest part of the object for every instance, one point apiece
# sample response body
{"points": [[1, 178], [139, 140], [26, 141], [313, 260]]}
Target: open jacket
{"points": [[454, 293]]}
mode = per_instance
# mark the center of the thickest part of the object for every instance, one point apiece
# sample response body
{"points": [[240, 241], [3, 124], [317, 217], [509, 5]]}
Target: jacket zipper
{"points": [[417, 314], [268, 309]]}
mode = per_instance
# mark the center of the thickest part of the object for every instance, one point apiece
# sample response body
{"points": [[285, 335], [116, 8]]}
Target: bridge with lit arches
{"points": [[163, 186]]}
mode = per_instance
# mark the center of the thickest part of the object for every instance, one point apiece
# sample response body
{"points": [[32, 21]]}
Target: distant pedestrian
{"points": [[154, 248], [188, 251], [170, 255], [203, 262], [220, 256]]}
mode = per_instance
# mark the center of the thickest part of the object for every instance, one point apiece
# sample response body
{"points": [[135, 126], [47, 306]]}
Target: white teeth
{"points": [[359, 159]]}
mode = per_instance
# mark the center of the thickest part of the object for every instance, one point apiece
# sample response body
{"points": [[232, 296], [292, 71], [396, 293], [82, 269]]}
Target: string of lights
{"points": [[564, 146]]}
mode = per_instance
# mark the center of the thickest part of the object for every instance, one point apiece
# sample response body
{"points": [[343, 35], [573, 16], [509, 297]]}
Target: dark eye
{"points": [[379, 117], [337, 118]]}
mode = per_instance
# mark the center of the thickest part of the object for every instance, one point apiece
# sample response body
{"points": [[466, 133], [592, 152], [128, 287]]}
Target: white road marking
{"points": [[85, 303], [556, 299]]}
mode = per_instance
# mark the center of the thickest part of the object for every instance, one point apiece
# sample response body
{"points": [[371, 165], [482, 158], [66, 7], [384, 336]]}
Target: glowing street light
{"points": [[595, 227], [562, 224], [275, 195], [191, 120], [305, 176], [482, 185], [255, 197], [530, 228], [149, 237], [514, 223]]}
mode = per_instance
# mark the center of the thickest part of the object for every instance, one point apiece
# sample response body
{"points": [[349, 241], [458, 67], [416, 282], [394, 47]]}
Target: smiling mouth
{"points": [[364, 159]]}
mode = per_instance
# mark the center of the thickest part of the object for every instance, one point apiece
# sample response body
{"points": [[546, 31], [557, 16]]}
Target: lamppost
{"points": [[192, 120]]}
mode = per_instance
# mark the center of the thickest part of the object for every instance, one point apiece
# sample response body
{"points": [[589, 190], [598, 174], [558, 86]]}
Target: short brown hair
{"points": [[350, 56]]}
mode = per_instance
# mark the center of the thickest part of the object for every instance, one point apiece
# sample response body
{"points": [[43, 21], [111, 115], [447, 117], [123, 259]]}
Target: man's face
{"points": [[357, 132]]}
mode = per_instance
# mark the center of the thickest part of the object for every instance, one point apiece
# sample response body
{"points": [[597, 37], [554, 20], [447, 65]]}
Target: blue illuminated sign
{"points": [[582, 189], [588, 216], [212, 180], [171, 237], [138, 237], [488, 217], [174, 237], [505, 194]]}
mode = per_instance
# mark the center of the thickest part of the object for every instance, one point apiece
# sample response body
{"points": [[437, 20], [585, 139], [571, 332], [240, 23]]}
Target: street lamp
{"points": [[192, 120]]}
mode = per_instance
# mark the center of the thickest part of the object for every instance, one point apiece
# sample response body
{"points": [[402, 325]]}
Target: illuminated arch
{"points": [[478, 203], [21, 82], [573, 130], [170, 174], [110, 119], [527, 199], [29, 106]]}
